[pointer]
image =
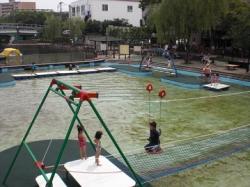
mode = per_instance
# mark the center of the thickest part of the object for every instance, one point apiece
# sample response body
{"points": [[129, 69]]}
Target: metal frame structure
{"points": [[58, 88]]}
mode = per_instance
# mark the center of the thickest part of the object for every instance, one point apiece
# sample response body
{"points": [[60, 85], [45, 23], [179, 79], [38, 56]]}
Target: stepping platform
{"points": [[106, 69], [57, 181], [65, 72], [46, 74], [86, 71], [24, 76], [216, 86], [87, 173]]}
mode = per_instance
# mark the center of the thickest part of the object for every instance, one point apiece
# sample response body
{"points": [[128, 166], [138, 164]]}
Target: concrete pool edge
{"points": [[6, 80]]}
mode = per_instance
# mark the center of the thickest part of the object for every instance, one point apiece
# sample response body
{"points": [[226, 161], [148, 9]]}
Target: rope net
{"points": [[182, 155]]}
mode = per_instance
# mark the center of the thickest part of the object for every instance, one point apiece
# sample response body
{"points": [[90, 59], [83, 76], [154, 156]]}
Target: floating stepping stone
{"points": [[216, 86]]}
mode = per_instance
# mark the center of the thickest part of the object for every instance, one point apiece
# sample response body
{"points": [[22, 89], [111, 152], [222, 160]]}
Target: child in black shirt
{"points": [[154, 138]]}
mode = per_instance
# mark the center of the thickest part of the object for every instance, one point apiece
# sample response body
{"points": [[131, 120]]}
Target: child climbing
{"points": [[97, 140], [154, 139], [82, 142]]}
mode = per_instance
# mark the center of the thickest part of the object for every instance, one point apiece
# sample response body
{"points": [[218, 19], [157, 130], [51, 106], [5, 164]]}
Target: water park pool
{"points": [[124, 105]]}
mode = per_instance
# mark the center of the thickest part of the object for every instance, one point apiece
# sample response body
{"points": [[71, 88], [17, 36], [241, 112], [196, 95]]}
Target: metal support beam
{"points": [[79, 121], [35, 160], [25, 136], [63, 96]]}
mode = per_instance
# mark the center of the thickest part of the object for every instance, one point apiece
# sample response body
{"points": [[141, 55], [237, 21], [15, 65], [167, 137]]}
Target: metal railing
{"points": [[4, 26]]}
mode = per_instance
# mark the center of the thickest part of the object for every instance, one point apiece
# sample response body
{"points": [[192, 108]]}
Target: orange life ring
{"points": [[162, 93], [149, 87]]}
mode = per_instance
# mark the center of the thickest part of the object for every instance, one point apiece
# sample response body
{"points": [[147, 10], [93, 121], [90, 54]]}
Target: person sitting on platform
{"points": [[154, 139], [97, 140], [82, 142]]}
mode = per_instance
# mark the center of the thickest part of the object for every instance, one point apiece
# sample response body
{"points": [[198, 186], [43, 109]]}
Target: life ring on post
{"points": [[162, 93], [149, 87]]}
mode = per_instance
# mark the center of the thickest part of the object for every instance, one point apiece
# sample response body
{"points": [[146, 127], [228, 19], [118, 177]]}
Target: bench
{"points": [[232, 66]]}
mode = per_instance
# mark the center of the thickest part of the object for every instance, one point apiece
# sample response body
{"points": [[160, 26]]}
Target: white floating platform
{"points": [[88, 174], [57, 181], [24, 75], [62, 72], [46, 73], [106, 69], [88, 71], [67, 72], [216, 86]]}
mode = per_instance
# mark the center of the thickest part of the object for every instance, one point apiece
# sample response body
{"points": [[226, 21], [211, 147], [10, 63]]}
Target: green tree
{"points": [[240, 30], [52, 28], [182, 18], [93, 26], [76, 27], [27, 17], [115, 22]]}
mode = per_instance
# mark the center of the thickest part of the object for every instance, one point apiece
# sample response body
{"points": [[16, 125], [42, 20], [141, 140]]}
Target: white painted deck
{"points": [[88, 174]]}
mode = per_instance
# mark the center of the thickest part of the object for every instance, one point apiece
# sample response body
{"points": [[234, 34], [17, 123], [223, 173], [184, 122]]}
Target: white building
{"points": [[101, 10]]}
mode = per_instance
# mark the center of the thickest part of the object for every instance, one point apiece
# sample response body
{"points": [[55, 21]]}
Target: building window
{"points": [[130, 8], [73, 11], [77, 11], [105, 7], [82, 10]]}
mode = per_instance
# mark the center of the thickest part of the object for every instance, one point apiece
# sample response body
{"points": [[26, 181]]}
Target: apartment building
{"points": [[101, 10], [12, 5]]}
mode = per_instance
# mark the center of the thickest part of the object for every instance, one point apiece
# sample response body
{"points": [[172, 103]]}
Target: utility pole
{"points": [[60, 4]]}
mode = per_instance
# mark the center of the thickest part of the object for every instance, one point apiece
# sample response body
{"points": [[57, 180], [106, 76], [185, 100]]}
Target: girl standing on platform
{"points": [[82, 142], [97, 140]]}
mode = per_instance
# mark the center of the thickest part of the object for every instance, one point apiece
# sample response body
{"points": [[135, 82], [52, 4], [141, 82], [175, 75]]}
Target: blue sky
{"points": [[46, 4]]}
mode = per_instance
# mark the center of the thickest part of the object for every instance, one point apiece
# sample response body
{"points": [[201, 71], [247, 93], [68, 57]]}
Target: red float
{"points": [[149, 87], [162, 93]]}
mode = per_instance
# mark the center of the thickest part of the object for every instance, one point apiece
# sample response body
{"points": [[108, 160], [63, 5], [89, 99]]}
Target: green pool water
{"points": [[124, 105]]}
